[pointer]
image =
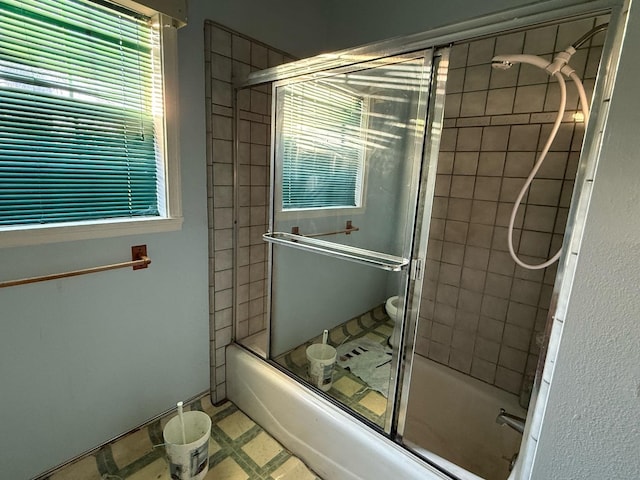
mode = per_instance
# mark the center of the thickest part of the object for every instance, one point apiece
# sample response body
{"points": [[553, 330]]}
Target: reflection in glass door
{"points": [[346, 163]]}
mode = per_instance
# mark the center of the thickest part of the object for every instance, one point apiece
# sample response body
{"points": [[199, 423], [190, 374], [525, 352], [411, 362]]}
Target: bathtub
{"points": [[474, 440], [330, 441]]}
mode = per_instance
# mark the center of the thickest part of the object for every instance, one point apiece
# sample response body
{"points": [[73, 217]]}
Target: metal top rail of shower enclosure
{"points": [[513, 19]]}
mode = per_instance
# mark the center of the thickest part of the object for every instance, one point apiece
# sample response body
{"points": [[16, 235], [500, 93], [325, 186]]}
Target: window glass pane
{"points": [[322, 156], [77, 105]]}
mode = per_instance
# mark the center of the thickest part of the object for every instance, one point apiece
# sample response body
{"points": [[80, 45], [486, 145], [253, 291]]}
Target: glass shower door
{"points": [[346, 158]]}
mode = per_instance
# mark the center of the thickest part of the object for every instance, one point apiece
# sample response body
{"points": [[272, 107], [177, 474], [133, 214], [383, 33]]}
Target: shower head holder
{"points": [[560, 62]]}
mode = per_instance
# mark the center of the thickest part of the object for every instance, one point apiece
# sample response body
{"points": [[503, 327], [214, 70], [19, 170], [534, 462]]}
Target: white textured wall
{"points": [[592, 425], [356, 22], [298, 28]]}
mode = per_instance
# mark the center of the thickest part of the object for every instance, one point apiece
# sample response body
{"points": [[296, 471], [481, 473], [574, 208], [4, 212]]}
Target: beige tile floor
{"points": [[347, 388], [239, 449]]}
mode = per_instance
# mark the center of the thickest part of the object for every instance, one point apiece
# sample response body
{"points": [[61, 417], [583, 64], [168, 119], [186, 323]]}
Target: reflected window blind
{"points": [[322, 147], [77, 138]]}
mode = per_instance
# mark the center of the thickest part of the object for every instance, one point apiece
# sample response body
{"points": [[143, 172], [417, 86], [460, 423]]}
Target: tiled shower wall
{"points": [[481, 314], [230, 56]]}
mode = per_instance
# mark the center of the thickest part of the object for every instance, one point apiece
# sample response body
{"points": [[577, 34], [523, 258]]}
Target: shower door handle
{"points": [[417, 268]]}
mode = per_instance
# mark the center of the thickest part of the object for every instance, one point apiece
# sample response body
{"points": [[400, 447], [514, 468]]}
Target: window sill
{"points": [[39, 234]]}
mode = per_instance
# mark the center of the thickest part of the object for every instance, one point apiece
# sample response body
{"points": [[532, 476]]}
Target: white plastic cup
{"points": [[321, 358], [190, 460]]}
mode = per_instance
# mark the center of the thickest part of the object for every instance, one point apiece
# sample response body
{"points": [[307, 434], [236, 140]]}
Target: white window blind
{"points": [[322, 147], [78, 98]]}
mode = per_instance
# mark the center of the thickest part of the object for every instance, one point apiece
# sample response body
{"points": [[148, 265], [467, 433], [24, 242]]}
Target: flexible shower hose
{"points": [[540, 160]]}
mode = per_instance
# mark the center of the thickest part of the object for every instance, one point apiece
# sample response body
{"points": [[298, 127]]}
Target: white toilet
{"points": [[393, 307]]}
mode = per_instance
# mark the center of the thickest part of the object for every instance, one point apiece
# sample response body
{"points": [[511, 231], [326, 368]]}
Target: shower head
{"points": [[501, 64], [504, 62]]}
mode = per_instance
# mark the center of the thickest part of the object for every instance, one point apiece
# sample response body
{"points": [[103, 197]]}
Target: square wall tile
{"points": [[501, 262], [452, 253], [525, 291], [510, 188], [479, 235], [500, 101], [473, 104], [473, 279], [554, 166], [259, 58], [450, 274], [490, 329], [455, 80], [504, 213], [511, 43], [519, 164], [545, 192], [460, 360], [483, 212], [441, 333], [462, 186], [529, 98], [241, 49], [521, 315], [444, 313], [439, 352], [487, 350], [466, 321], [539, 218], [455, 231], [436, 229], [483, 370], [508, 380], [469, 139], [466, 163], [459, 209], [534, 244], [494, 307], [463, 341], [447, 295], [495, 138], [469, 301], [491, 164], [476, 257], [476, 78], [498, 285], [448, 139], [443, 185], [516, 337], [458, 56], [481, 51], [504, 78], [540, 40], [524, 138], [445, 162], [487, 188]]}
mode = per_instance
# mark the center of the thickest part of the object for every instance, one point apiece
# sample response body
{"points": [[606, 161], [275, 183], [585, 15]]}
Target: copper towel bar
{"points": [[347, 231], [139, 260]]}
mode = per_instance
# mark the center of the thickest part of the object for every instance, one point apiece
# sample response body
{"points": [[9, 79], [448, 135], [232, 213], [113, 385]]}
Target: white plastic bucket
{"points": [[321, 358], [190, 460]]}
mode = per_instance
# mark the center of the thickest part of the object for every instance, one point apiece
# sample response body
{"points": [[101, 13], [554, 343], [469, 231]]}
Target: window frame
{"points": [[167, 54]]}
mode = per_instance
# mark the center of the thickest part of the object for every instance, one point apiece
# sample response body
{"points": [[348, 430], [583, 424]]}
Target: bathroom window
{"points": [[83, 138], [322, 147]]}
